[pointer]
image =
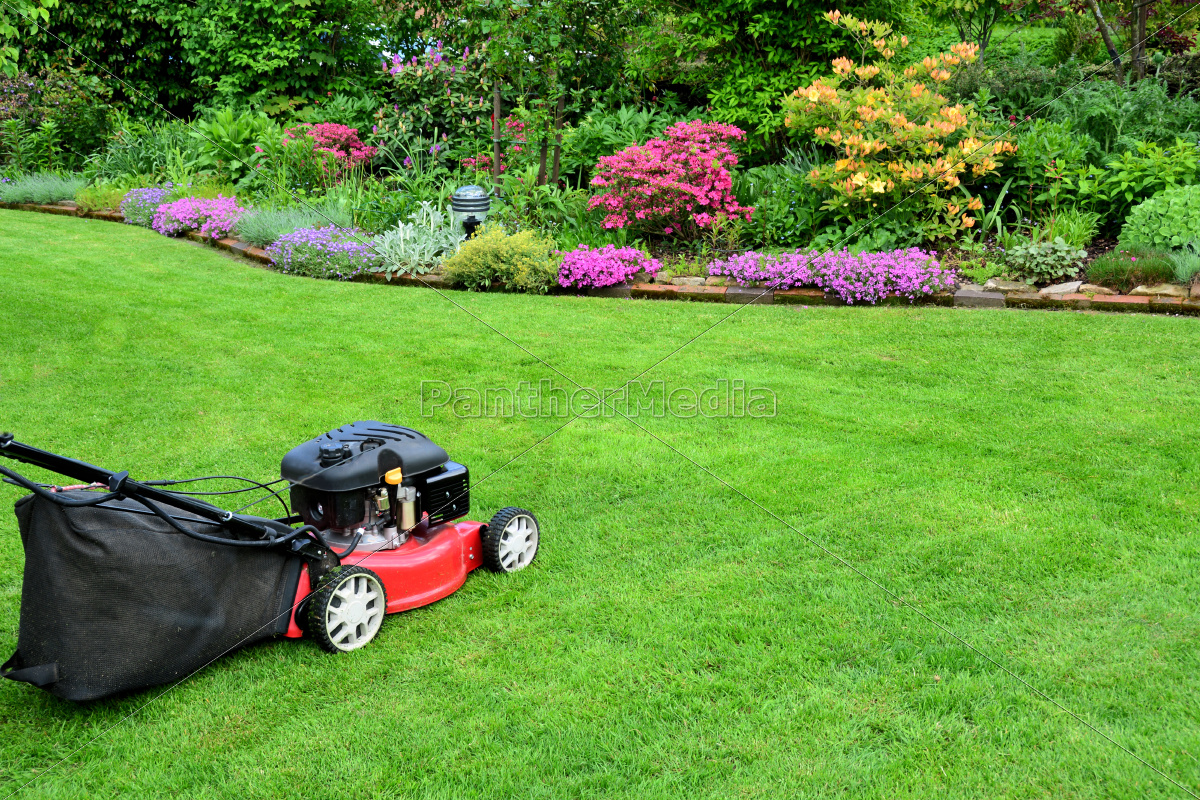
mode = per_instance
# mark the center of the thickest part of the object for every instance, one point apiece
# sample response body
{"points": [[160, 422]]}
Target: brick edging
{"points": [[1189, 306]]}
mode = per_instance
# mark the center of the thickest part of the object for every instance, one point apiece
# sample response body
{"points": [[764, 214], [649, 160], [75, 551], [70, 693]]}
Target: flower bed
{"points": [[140, 205], [338, 253], [865, 277], [214, 217], [610, 265]]}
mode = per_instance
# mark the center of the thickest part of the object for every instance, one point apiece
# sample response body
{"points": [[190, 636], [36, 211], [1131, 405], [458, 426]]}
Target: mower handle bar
{"points": [[121, 483]]}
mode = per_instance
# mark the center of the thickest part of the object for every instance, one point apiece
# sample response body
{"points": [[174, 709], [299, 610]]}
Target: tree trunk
{"points": [[542, 159], [558, 121], [1139, 42], [1106, 34], [496, 132]]}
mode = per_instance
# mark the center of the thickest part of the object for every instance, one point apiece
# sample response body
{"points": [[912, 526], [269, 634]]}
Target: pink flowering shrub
{"points": [[605, 266], [678, 185], [866, 277], [213, 217], [340, 141]]}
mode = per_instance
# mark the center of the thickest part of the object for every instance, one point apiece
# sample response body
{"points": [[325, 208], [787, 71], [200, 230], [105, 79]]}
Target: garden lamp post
{"points": [[472, 204]]}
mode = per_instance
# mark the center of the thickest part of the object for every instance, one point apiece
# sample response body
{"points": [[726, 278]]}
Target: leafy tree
{"points": [[974, 20], [548, 49], [124, 44], [15, 15], [756, 51], [276, 52]]}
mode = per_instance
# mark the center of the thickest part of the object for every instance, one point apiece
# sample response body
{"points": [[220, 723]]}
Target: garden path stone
{"points": [[1091, 288], [687, 281], [808, 297], [1121, 302], [968, 298], [714, 281], [1033, 300], [747, 294], [1070, 287], [997, 285], [1196, 290], [1161, 290], [620, 290]]}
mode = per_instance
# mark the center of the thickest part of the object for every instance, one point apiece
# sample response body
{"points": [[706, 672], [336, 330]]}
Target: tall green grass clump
{"points": [[263, 226], [41, 188]]}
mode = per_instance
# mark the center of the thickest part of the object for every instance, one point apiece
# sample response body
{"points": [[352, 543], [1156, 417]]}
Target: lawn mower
{"points": [[130, 584]]}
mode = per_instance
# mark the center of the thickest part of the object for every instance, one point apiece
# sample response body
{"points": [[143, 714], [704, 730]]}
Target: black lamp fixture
{"points": [[472, 204]]}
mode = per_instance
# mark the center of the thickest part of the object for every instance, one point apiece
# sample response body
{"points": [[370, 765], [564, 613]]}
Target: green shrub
{"points": [[262, 226], [208, 187], [1046, 153], [61, 116], [1044, 262], [1135, 175], [100, 196], [230, 145], [1167, 220], [43, 187], [1078, 38], [1017, 86], [602, 133], [518, 262], [787, 209], [159, 151], [1076, 227], [1126, 268], [1120, 118]]}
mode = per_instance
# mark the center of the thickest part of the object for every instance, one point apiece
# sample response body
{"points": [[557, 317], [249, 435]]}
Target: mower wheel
{"points": [[347, 609], [510, 542]]}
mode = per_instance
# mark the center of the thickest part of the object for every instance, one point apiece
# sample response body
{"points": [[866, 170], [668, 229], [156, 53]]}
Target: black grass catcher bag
{"points": [[115, 598]]}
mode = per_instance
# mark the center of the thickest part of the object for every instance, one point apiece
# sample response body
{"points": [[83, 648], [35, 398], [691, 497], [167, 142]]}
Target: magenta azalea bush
{"points": [[213, 217], [610, 265], [336, 253], [866, 277], [678, 185], [139, 205], [340, 141]]}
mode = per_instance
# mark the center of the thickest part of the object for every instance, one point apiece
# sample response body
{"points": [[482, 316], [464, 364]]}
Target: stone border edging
{"points": [[963, 298]]}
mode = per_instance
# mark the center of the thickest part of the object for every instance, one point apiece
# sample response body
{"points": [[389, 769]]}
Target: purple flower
{"points": [[330, 252], [213, 217], [138, 205], [866, 277], [584, 267]]}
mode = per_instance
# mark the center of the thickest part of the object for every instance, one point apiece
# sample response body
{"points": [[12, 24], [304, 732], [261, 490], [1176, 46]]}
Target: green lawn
{"points": [[1026, 479]]}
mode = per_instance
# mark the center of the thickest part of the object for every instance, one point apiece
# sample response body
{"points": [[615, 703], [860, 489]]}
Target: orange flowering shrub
{"points": [[895, 136]]}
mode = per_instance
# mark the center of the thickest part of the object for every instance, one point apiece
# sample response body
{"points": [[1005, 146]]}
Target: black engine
{"points": [[371, 484]]}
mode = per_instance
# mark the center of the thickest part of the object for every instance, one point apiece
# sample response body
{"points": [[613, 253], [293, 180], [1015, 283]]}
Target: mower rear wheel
{"points": [[510, 542], [347, 610]]}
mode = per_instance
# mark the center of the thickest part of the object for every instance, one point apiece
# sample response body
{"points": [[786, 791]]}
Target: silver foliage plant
{"points": [[419, 246]]}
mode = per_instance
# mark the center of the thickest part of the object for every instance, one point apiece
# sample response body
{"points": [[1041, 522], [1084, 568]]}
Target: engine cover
{"points": [[356, 456], [337, 484]]}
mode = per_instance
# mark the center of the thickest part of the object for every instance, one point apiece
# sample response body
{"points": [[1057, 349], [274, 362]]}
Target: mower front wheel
{"points": [[347, 609], [510, 542]]}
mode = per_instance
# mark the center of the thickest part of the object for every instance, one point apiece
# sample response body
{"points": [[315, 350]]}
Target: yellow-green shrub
{"points": [[520, 262]]}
